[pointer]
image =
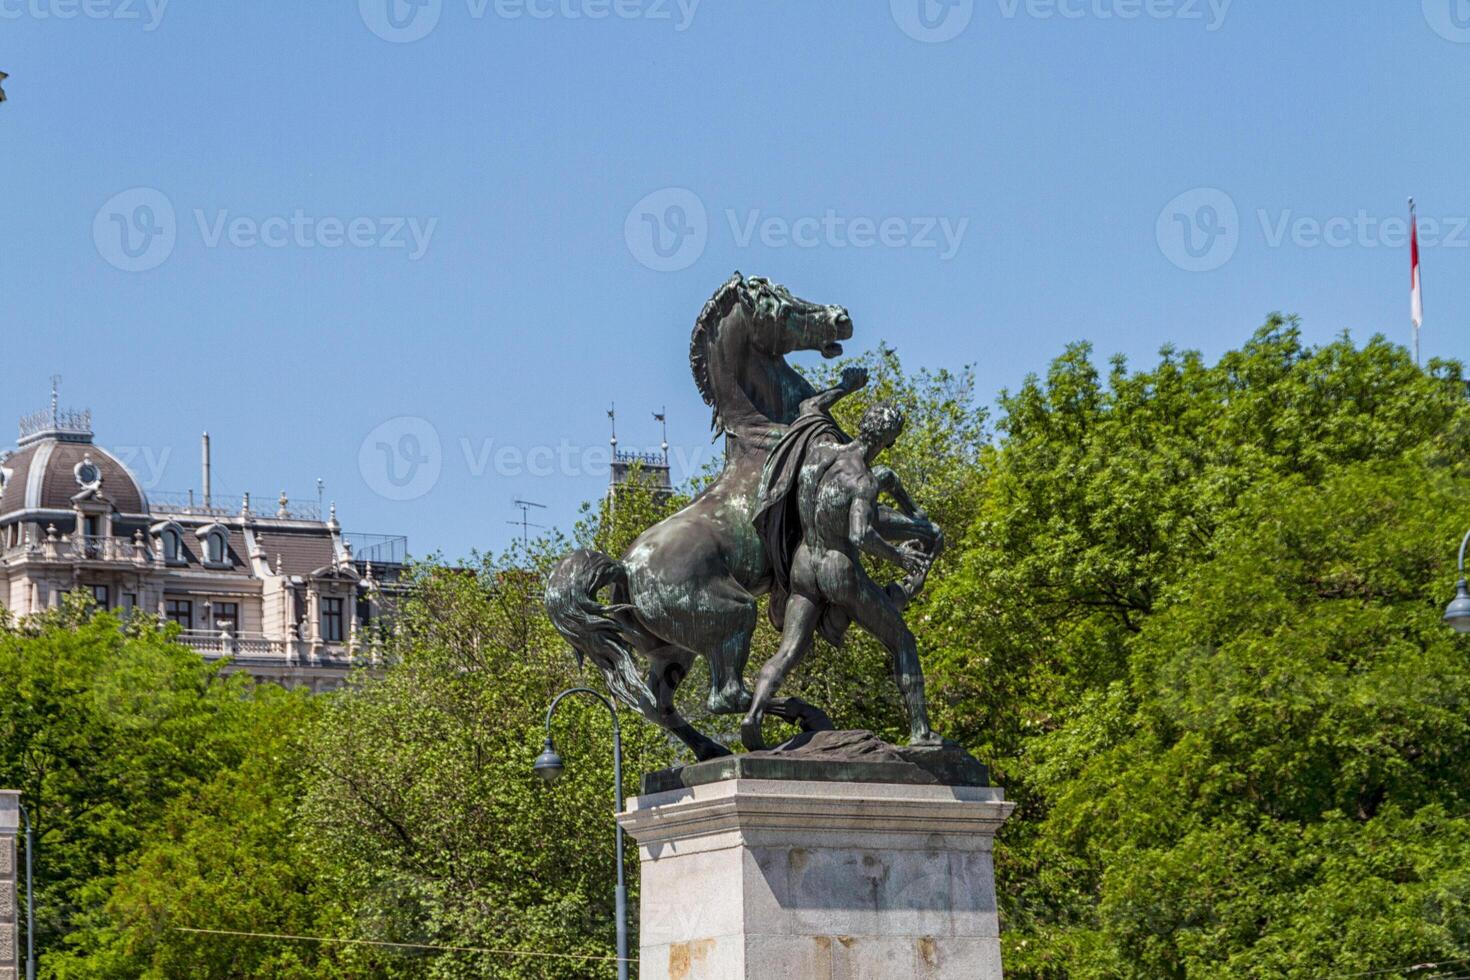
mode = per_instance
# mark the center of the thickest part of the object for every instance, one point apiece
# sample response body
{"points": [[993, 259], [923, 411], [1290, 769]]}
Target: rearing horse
{"points": [[688, 585]]}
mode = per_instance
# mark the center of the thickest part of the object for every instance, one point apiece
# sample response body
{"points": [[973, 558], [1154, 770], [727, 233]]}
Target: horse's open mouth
{"points": [[832, 350]]}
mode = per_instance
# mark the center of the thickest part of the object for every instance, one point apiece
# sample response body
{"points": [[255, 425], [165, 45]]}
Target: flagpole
{"points": [[1416, 295]]}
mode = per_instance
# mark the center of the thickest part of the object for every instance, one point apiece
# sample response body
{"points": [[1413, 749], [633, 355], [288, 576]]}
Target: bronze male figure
{"points": [[817, 513]]}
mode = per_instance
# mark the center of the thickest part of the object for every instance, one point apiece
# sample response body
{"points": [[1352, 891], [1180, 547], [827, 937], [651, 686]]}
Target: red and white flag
{"points": [[1416, 294]]}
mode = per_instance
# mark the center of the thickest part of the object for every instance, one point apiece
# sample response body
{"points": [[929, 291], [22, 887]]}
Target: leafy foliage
{"points": [[1189, 615]]}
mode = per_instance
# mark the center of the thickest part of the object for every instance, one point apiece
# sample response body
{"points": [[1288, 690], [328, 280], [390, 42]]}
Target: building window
{"points": [[214, 549], [180, 611], [332, 620], [227, 616], [129, 601], [100, 596], [170, 546]]}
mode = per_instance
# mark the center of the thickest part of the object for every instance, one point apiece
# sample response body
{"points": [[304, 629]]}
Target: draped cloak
{"points": [[778, 516]]}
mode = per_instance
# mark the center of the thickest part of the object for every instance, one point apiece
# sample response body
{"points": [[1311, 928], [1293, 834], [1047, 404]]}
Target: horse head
{"points": [[739, 346]]}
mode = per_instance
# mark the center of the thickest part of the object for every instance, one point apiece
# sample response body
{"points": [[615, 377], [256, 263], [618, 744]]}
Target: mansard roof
{"points": [[47, 473]]}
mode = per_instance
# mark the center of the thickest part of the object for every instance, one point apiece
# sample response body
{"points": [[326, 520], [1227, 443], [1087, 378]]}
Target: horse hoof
{"points": [[713, 750]]}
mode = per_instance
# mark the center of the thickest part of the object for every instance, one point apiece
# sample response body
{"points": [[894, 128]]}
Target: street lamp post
{"points": [[549, 766], [1457, 613]]}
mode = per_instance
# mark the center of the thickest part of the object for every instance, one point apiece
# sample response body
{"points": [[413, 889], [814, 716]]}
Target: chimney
{"points": [[206, 469]]}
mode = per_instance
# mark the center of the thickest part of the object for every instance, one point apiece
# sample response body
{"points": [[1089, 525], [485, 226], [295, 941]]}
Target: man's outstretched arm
{"points": [[852, 379]]}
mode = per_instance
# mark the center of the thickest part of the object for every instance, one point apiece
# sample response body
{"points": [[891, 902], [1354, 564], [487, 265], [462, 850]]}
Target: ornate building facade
{"points": [[278, 590]]}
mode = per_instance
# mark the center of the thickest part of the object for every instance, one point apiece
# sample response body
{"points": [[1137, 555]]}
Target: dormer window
{"points": [[169, 539], [214, 543]]}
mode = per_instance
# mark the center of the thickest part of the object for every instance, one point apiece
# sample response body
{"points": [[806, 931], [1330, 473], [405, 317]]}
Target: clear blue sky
{"points": [[1050, 139]]}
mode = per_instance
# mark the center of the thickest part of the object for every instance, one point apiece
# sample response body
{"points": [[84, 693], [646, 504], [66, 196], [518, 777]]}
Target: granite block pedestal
{"points": [[791, 878], [10, 912]]}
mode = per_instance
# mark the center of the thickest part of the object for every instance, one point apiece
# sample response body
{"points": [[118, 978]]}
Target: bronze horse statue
{"points": [[688, 585]]}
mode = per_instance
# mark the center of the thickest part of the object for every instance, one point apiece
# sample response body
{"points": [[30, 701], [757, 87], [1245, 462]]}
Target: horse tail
{"points": [[603, 633]]}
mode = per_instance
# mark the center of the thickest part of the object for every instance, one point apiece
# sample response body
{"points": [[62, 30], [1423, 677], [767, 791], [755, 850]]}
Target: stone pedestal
{"points": [[10, 914], [802, 879]]}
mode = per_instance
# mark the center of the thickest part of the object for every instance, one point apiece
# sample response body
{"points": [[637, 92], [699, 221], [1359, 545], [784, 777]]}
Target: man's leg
{"points": [[873, 610], [802, 615]]}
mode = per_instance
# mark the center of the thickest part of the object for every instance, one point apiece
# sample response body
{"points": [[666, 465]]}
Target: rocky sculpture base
{"points": [[835, 857]]}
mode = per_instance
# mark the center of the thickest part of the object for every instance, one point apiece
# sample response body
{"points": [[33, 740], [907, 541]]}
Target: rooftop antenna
{"points": [[525, 522], [612, 420], [204, 451], [662, 418], [55, 399], [319, 486]]}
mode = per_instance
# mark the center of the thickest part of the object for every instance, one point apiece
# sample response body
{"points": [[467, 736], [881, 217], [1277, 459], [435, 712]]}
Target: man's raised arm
{"points": [[853, 378]]}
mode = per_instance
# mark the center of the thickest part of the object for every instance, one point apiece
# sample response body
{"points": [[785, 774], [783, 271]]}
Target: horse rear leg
{"points": [[669, 667], [728, 694]]}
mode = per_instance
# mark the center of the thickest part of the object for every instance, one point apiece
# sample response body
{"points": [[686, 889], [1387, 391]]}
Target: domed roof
{"points": [[47, 472]]}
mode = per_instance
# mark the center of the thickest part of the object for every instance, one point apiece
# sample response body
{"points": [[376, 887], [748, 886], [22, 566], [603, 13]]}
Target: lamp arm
{"points": [[1463, 543], [611, 709]]}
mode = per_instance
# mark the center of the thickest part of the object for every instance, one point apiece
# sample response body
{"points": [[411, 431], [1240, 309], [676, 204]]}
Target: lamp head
{"points": [[549, 765], [1457, 613]]}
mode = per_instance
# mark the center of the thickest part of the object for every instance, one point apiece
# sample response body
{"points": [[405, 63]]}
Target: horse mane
{"points": [[715, 310]]}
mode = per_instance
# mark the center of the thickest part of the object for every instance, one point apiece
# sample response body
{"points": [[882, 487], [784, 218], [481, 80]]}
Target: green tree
{"points": [[114, 734], [422, 792], [1099, 516]]}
